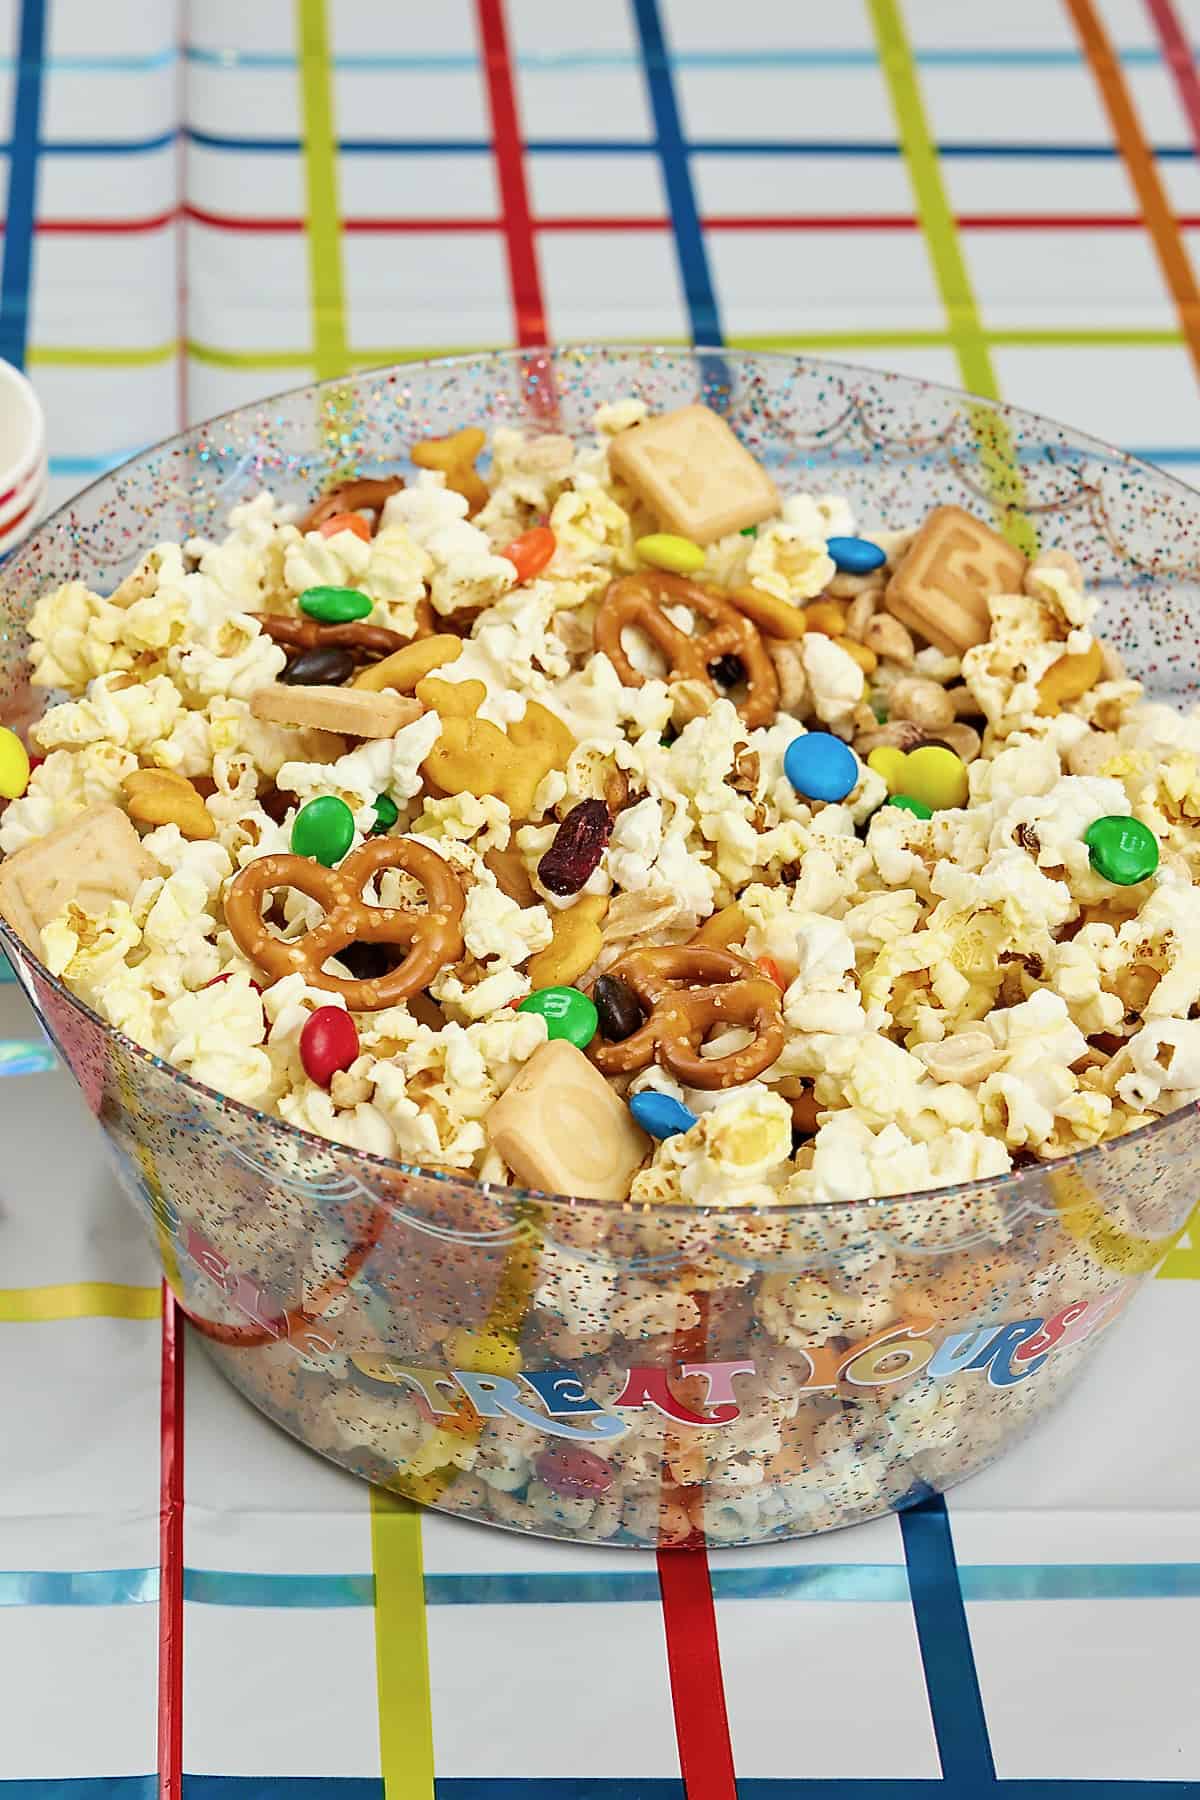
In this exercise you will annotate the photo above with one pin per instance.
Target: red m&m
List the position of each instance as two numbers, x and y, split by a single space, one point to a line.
328 1042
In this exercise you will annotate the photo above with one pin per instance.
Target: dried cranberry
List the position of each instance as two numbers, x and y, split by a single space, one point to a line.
727 671
570 1470
617 1007
577 848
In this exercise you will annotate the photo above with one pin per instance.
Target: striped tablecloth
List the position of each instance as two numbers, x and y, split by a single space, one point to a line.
205 204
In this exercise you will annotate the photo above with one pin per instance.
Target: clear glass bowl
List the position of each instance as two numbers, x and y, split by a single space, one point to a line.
581 1369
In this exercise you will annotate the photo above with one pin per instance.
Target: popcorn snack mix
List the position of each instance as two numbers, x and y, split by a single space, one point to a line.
595 812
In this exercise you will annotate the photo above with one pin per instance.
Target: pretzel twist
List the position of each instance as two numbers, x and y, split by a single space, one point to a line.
366 494
690 989
640 600
433 939
311 634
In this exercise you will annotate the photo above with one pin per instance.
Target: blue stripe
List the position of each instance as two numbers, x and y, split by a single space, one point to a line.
815 147
80 1587
681 198
98 65
84 146
22 184
25 1056
570 61
91 465
876 1583
211 140
950 1678
231 1587
580 1787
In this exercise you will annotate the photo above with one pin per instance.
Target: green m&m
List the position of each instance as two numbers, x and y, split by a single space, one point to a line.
324 829
568 1014
906 803
1121 849
386 814
334 605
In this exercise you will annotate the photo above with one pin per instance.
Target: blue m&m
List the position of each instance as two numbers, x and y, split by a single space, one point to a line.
819 766
855 555
660 1114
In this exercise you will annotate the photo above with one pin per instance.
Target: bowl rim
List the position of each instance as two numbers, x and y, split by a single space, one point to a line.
524 357
27 459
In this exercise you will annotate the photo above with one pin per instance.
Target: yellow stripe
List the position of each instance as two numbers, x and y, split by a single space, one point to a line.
996 454
401 1650
1183 1264
326 299
78 1300
75 356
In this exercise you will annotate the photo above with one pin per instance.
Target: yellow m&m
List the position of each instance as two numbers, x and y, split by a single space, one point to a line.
14 765
677 554
933 775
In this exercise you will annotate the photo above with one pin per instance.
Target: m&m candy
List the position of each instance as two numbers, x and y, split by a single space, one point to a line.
568 1014
678 555
820 766
324 829
328 1042
530 552
1121 849
932 775
386 814
660 1114
348 521
855 555
907 804
14 765
334 605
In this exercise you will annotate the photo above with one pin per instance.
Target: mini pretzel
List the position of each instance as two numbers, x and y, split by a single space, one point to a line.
640 599
433 939
690 990
367 494
311 634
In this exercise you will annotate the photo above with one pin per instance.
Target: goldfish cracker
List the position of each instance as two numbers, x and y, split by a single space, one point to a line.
576 943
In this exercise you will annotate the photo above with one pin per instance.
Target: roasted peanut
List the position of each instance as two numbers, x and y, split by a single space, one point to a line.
794 696
964 740
887 637
160 797
1058 561
1090 754
860 612
850 587
691 698
923 702
967 1058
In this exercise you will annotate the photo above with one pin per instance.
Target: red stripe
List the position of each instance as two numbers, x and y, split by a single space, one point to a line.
170 1557
523 272
1178 54
7 525
623 223
102 227
697 1689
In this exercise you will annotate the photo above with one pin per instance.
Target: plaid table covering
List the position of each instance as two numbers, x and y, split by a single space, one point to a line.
204 205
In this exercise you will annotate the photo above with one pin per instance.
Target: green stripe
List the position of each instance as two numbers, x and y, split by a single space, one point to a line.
996 453
401 1650
326 298
115 356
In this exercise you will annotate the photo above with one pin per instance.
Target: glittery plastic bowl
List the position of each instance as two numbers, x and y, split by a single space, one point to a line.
579 1369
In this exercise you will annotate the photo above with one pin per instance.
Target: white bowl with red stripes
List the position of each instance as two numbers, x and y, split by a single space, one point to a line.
23 472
